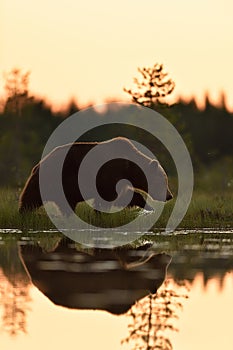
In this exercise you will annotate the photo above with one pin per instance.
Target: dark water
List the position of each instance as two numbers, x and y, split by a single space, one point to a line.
135 297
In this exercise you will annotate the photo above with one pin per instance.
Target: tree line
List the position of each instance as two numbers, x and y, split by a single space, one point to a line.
26 122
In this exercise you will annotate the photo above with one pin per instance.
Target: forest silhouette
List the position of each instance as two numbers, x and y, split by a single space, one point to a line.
26 122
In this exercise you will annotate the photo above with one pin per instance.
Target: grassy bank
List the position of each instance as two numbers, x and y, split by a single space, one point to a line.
214 211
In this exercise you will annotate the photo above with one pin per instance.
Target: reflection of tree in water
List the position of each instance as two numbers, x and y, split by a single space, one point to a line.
14 299
153 317
14 291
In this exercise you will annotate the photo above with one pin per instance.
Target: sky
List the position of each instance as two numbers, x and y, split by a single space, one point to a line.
90 50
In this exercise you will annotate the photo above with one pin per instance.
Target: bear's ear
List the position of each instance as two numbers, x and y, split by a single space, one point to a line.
154 163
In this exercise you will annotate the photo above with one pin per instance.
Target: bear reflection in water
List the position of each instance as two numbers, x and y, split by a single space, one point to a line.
111 280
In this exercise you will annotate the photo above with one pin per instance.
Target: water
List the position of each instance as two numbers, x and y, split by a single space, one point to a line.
55 294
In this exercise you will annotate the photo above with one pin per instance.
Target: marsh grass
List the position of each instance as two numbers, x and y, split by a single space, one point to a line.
122 217
214 211
210 211
11 219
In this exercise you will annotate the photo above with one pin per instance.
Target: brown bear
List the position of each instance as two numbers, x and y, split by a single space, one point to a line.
126 162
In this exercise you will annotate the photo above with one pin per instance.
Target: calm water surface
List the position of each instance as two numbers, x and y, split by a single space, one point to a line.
166 295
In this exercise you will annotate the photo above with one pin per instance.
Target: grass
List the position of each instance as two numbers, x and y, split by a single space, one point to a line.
214 211
11 219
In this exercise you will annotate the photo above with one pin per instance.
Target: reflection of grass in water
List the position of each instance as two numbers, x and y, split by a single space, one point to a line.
201 242
204 211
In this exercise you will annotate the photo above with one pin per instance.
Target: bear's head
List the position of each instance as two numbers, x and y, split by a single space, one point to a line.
160 190
141 195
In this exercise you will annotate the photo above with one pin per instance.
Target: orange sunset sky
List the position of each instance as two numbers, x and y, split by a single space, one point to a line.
90 50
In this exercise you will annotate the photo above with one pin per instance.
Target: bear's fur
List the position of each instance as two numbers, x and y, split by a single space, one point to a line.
108 176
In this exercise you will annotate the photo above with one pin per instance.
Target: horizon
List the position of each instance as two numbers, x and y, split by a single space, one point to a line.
219 100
